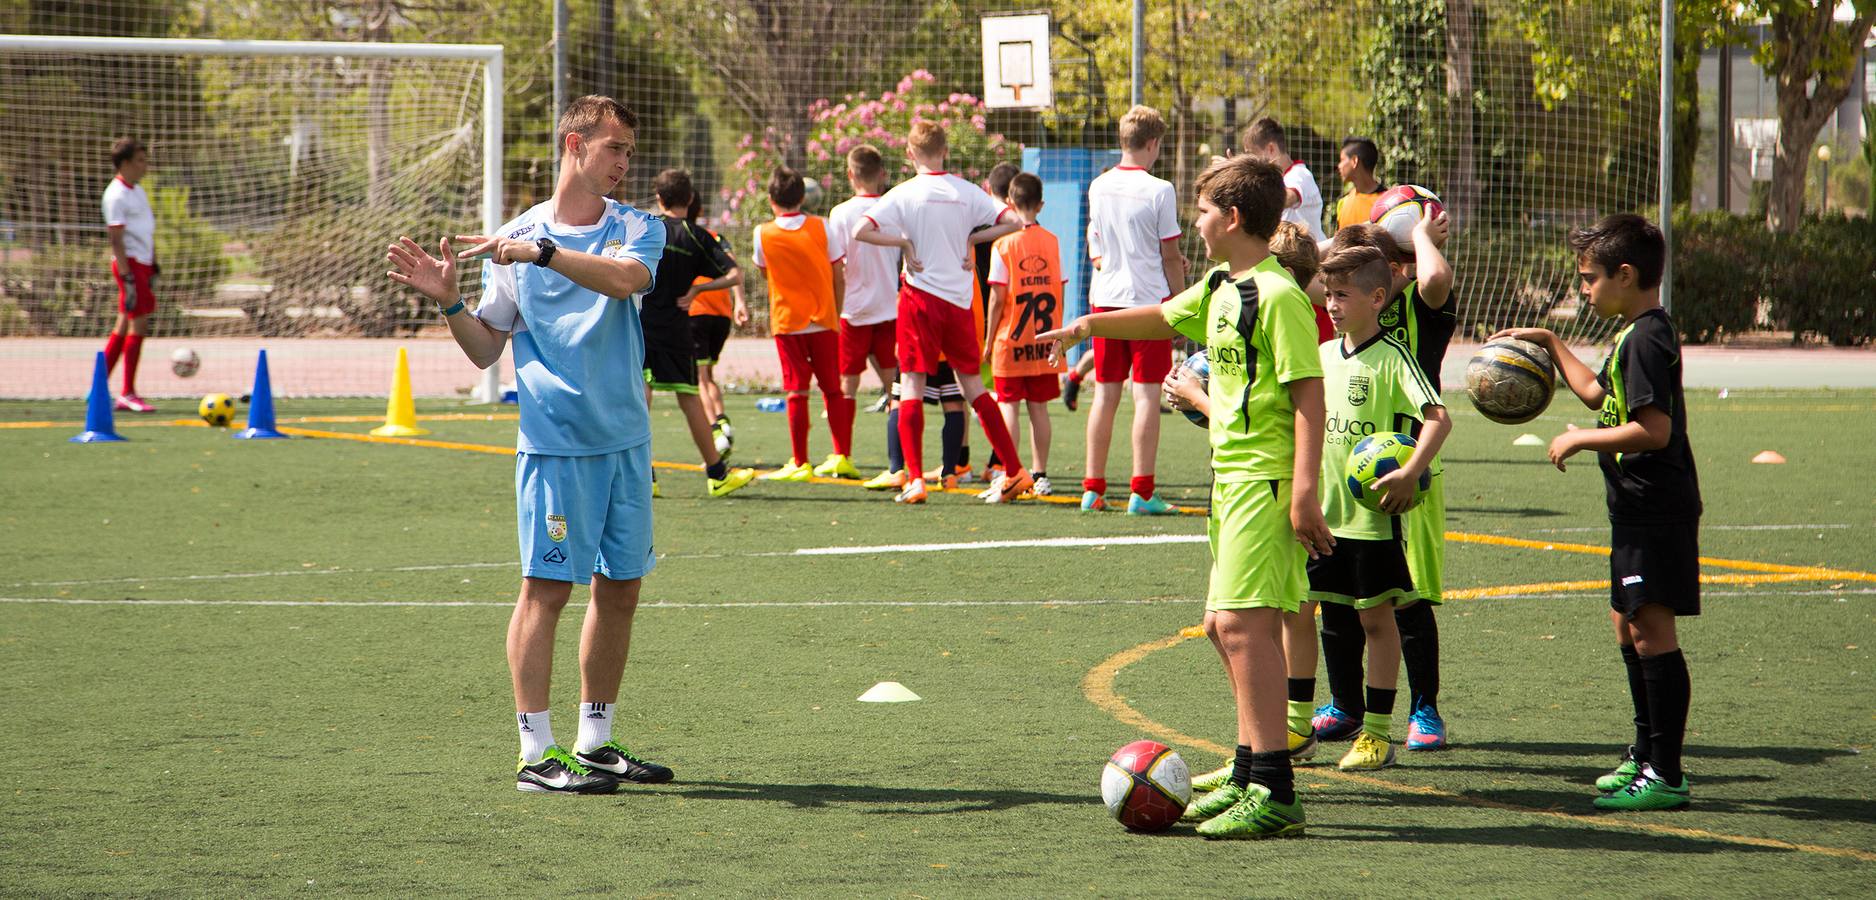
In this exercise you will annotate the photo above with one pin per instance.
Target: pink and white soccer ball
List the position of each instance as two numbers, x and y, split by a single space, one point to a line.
1146 786
1401 207
184 362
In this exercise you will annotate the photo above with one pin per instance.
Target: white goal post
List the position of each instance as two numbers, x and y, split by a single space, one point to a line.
488 56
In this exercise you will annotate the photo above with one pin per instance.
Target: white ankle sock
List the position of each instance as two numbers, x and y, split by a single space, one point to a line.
595 726
537 734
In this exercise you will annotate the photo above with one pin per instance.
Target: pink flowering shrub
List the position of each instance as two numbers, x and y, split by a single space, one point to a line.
837 127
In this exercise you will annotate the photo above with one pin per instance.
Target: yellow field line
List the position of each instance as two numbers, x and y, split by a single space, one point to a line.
1811 573
1098 688
144 423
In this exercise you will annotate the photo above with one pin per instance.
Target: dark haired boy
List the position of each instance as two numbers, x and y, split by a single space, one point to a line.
1653 495
1356 165
802 261
1266 439
670 348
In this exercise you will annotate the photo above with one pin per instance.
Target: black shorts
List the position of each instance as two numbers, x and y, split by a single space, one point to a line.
669 363
1362 573
708 335
943 386
1656 563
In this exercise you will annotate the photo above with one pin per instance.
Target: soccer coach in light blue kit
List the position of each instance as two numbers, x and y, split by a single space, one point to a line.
564 280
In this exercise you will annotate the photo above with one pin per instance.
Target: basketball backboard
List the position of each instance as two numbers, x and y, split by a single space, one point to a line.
1016 61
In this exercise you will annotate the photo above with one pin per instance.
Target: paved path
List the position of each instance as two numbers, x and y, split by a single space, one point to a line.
35 368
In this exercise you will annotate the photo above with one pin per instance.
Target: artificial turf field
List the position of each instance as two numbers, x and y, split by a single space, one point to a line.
270 667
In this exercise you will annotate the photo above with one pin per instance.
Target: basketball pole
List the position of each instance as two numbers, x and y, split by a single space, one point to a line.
1666 177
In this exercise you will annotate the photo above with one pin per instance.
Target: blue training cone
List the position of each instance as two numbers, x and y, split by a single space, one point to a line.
260 407
99 425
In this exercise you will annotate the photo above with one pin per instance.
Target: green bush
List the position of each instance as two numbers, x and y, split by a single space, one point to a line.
1719 276
1822 280
314 261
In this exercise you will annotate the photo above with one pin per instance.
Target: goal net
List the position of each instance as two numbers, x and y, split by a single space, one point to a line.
279 171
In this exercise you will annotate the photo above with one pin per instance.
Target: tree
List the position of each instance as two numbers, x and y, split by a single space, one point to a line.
1811 58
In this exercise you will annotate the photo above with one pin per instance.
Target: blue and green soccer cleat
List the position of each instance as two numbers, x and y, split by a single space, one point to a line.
1149 506
1333 724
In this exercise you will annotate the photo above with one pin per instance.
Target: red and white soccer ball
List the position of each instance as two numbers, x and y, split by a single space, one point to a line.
184 362
1401 207
1146 786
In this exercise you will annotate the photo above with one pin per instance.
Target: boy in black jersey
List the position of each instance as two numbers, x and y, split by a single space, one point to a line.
1653 495
690 252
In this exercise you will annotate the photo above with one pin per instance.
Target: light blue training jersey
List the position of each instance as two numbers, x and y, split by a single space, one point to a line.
579 355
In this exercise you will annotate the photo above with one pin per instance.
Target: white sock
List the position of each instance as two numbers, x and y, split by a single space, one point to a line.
537 734
595 726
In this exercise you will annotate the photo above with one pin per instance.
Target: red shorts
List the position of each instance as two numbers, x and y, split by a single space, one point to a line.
857 342
816 354
1149 361
930 328
1033 388
146 298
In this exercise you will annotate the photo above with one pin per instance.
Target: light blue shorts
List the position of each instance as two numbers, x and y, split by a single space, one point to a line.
577 515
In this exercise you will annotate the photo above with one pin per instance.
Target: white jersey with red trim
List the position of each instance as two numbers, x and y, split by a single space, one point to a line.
128 206
937 211
872 275
1130 212
1308 214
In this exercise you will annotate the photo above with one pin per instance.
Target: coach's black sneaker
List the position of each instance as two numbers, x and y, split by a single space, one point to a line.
612 758
560 773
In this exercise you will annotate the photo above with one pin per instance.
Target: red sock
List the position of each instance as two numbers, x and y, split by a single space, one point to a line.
798 427
113 348
133 349
1097 485
912 436
839 421
1142 485
1075 376
1000 443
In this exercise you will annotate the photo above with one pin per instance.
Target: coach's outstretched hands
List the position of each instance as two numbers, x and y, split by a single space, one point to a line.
430 276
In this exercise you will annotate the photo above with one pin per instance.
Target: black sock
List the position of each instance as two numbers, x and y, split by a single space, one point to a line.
717 471
1302 690
1669 692
1241 766
1381 700
994 461
1272 770
1420 650
895 455
964 447
1637 695
1343 641
951 442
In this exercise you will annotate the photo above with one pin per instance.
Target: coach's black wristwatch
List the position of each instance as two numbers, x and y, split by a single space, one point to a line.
548 248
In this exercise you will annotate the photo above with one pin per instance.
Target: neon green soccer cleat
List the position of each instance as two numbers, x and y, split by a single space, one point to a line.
1255 816
837 466
1211 781
1647 793
1214 803
794 471
1370 753
731 483
885 481
1623 774
1302 746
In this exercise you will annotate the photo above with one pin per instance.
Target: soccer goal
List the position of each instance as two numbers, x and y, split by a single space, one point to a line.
279 172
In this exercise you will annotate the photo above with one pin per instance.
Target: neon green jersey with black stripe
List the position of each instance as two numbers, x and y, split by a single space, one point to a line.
1260 335
1375 388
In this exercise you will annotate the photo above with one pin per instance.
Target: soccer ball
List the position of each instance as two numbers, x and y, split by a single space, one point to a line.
184 362
1511 381
1201 368
1401 207
1146 786
1374 457
218 410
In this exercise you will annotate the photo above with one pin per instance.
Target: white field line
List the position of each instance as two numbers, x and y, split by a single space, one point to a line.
792 604
820 604
1705 527
1128 540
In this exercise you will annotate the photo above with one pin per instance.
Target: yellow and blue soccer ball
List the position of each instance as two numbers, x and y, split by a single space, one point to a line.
218 410
1200 366
1375 457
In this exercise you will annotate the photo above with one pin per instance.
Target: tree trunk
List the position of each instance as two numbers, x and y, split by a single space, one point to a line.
1811 83
1462 176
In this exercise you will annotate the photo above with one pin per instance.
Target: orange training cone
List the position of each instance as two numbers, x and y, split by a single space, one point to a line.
400 415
